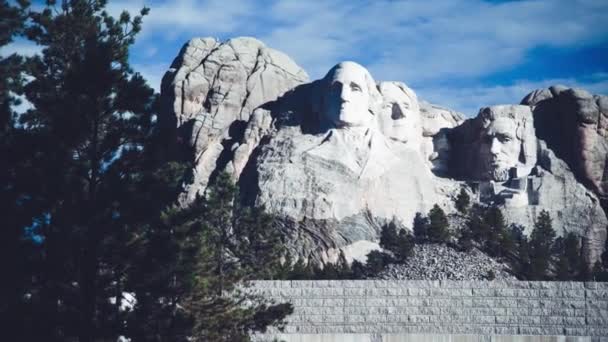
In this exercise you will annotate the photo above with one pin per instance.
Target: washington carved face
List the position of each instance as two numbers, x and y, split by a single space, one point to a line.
348 100
500 148
399 118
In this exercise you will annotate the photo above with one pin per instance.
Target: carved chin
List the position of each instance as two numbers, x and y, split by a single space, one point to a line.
499 175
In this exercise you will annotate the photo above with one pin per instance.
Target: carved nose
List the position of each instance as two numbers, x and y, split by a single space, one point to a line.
495 146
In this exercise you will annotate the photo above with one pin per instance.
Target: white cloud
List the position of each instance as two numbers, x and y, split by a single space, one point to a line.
424 43
172 18
468 100
22 47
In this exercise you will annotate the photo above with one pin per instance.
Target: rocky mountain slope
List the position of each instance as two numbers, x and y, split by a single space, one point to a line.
337 158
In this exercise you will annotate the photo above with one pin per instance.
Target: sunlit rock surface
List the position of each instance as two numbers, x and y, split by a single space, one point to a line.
337 158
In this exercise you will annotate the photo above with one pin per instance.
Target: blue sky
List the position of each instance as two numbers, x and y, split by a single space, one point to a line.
456 53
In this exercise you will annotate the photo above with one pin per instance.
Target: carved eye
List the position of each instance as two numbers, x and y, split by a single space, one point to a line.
355 87
504 138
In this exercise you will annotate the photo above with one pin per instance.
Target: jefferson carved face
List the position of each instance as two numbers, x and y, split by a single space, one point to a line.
399 118
500 148
348 98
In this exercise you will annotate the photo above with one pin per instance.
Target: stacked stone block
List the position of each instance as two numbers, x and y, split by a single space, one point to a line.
442 307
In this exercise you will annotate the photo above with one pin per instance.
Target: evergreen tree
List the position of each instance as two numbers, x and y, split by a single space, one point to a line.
388 236
376 262
420 227
405 246
301 271
462 201
358 270
570 261
465 240
261 245
19 207
88 110
193 287
476 223
438 229
541 243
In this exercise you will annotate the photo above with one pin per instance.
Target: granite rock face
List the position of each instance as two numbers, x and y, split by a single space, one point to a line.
337 158
574 123
211 91
502 161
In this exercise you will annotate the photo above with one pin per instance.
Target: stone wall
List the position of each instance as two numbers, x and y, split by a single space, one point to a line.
383 310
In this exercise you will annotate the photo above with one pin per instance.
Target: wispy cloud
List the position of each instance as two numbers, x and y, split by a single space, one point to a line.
442 48
22 47
468 100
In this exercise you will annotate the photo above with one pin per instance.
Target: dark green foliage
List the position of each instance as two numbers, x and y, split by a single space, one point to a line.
405 246
399 243
358 270
541 243
599 273
93 190
19 208
388 236
476 223
82 145
570 263
340 270
465 240
420 227
463 201
197 260
438 228
301 271
376 262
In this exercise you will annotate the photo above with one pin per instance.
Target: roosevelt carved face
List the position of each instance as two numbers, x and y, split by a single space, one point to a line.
399 118
500 148
348 98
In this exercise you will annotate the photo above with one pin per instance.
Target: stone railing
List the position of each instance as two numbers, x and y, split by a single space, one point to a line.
385 310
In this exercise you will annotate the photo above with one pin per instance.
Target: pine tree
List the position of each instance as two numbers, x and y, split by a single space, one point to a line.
420 227
301 271
376 262
88 110
438 229
388 236
405 246
462 201
19 207
476 223
541 243
190 278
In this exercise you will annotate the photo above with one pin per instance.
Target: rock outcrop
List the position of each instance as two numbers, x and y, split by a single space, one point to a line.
337 158
574 123
211 91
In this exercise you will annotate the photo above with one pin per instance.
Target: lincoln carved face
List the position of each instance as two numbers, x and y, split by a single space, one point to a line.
399 118
507 141
348 99
500 148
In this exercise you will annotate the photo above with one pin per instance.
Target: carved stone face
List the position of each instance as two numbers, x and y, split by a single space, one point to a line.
399 118
500 148
347 103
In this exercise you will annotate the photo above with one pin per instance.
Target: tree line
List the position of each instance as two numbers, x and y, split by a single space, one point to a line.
93 243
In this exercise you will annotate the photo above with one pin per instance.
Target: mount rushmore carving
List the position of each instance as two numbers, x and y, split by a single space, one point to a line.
337 158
